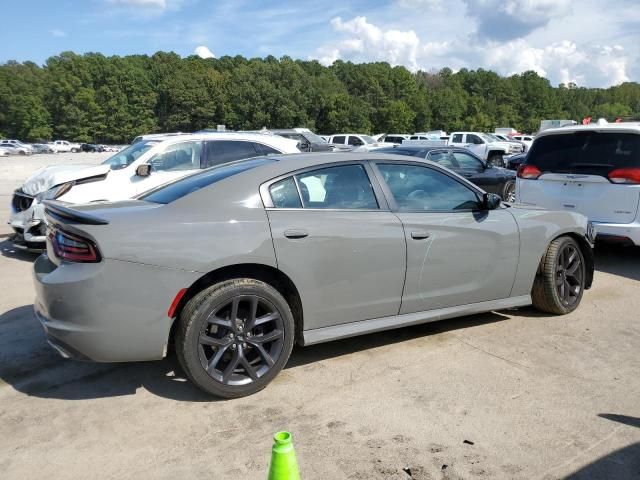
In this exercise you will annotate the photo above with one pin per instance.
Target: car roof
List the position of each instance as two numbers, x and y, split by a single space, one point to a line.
253 137
625 127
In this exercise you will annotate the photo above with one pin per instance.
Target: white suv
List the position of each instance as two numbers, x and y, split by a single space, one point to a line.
142 166
590 169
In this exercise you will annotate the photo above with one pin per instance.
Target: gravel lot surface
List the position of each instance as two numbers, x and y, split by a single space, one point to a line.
513 395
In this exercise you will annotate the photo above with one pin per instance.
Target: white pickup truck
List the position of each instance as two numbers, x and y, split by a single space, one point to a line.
63 146
485 146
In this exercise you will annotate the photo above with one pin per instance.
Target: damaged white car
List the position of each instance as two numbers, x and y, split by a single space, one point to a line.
140 167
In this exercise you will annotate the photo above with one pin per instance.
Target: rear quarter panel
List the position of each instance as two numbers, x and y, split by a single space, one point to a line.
538 228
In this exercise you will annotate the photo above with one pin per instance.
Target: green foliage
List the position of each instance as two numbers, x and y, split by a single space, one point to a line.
95 98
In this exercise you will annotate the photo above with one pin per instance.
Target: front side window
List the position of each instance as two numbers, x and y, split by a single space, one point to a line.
265 150
284 194
417 188
468 162
177 157
341 187
475 139
126 157
355 141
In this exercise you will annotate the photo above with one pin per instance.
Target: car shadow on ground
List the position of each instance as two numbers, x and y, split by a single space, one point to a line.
621 464
8 250
32 367
618 260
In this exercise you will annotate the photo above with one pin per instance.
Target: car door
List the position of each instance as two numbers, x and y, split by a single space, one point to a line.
335 237
175 161
457 254
477 172
475 144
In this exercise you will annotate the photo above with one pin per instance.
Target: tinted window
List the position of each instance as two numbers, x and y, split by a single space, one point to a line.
339 139
355 141
464 160
475 139
587 153
265 150
186 185
409 152
284 194
425 189
224 151
343 187
180 156
457 138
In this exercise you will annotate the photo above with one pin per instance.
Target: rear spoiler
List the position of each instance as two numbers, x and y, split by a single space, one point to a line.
58 211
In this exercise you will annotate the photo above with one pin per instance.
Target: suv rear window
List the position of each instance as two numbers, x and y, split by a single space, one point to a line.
586 153
184 186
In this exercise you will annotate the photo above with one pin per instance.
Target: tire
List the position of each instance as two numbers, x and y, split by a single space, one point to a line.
509 191
496 159
231 359
559 283
74 150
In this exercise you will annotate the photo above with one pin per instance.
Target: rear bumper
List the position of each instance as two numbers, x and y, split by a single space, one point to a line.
110 311
619 232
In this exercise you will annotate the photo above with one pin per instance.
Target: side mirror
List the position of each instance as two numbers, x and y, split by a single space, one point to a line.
491 201
143 170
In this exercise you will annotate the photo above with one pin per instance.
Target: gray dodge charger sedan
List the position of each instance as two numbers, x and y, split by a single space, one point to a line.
235 264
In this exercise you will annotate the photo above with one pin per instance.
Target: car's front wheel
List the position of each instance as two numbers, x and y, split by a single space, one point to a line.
234 337
560 281
496 159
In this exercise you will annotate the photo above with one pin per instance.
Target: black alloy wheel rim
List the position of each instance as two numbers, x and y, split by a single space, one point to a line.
241 340
510 194
569 275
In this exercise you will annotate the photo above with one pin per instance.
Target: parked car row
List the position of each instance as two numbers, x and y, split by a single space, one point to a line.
16 147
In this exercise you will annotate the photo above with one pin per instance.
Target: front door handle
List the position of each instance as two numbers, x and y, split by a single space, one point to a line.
296 233
420 235
467 175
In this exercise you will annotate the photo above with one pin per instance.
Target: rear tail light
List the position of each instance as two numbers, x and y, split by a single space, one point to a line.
625 175
73 248
529 172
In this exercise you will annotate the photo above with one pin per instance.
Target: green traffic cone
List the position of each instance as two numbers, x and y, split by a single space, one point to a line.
283 464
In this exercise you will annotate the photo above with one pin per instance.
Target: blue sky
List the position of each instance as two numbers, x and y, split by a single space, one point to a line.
565 40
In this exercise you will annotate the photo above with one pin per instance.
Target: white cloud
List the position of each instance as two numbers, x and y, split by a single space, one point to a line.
158 4
203 52
57 33
561 61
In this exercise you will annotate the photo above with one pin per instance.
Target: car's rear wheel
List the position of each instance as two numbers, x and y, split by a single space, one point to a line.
234 337
559 283
509 191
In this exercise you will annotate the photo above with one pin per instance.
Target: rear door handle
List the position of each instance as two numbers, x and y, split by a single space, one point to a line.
294 233
420 235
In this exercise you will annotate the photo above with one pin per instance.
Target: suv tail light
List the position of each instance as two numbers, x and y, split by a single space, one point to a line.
73 248
625 175
529 172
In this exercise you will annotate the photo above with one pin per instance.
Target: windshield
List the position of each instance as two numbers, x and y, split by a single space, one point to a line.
490 138
312 137
130 154
367 139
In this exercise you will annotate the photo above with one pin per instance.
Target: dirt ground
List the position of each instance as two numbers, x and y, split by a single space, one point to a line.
513 395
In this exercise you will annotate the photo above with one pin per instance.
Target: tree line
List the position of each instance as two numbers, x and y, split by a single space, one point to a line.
94 98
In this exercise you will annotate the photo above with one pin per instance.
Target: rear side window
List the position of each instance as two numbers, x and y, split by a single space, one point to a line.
457 138
339 139
586 153
224 151
342 187
180 188
284 194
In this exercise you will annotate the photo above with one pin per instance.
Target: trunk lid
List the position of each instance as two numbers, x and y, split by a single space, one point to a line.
575 168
